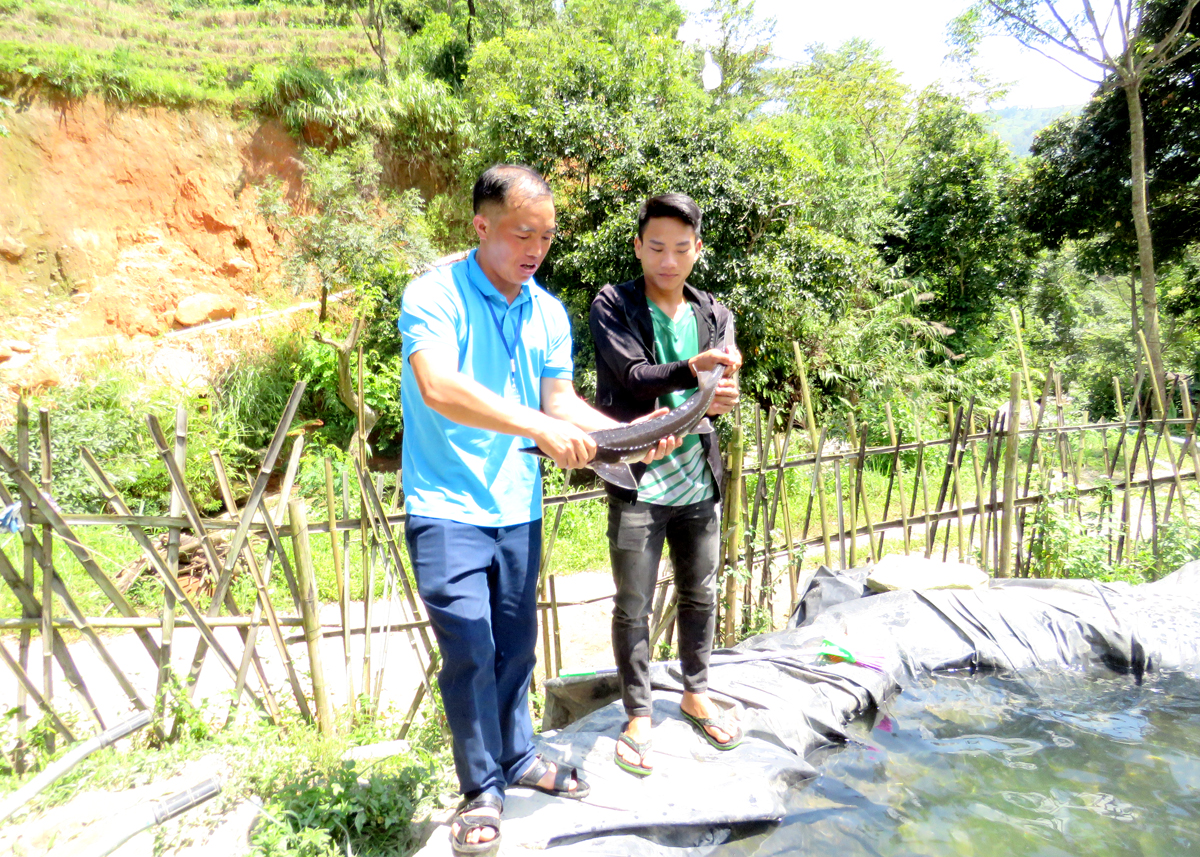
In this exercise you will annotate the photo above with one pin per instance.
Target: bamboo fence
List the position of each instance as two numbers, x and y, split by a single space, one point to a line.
794 500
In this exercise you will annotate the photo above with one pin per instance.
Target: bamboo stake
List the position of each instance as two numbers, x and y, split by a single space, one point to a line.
29 687
1160 399
1125 535
887 501
543 580
262 604
732 531
47 568
55 522
378 519
557 638
113 499
841 517
919 485
854 485
862 457
310 612
175 509
29 602
221 592
343 582
781 456
760 501
1011 448
931 535
811 422
27 565
1186 403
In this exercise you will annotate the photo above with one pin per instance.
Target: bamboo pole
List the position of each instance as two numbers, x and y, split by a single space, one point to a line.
167 628
1186 403
343 582
47 567
931 534
733 532
862 458
1011 448
547 618
854 484
310 612
1160 400
811 423
841 513
557 636
27 567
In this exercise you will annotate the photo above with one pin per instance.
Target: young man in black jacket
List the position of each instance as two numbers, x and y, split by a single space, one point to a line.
652 336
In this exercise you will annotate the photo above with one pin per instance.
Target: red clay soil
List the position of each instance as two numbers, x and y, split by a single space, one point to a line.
110 217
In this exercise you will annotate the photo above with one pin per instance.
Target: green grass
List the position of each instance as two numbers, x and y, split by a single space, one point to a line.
176 54
315 803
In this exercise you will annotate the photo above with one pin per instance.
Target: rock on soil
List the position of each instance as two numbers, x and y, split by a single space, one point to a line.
198 309
898 572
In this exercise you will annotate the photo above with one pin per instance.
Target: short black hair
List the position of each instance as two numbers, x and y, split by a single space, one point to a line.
497 181
678 206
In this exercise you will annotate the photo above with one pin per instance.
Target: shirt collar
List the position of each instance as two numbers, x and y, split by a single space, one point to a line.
477 278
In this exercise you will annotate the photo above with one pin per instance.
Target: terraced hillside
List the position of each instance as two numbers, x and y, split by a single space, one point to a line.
175 53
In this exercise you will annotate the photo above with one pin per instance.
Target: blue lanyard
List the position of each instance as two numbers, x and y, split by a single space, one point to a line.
510 349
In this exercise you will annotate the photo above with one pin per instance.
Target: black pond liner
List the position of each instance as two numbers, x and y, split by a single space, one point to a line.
759 798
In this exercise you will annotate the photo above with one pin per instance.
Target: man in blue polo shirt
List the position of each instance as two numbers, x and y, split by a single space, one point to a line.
489 370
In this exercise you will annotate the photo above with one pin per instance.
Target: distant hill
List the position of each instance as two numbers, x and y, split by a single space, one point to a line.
1017 125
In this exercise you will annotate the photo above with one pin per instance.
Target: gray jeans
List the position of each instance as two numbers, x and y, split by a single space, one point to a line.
635 541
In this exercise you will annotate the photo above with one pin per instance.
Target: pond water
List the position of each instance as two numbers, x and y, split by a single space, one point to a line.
1061 765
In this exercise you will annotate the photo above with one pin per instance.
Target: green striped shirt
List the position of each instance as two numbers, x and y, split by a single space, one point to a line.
683 477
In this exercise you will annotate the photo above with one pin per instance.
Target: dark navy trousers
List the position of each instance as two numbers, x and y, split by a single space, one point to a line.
479 585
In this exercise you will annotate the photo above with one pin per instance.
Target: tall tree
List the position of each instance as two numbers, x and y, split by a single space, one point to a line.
1124 55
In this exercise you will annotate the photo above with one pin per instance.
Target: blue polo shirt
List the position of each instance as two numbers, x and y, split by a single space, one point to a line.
456 472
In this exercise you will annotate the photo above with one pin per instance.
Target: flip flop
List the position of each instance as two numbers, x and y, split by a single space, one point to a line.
562 780
641 769
469 820
724 722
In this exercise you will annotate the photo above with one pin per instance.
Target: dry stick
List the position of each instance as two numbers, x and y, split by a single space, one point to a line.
175 509
732 530
27 561
1011 448
29 602
919 482
27 685
811 421
113 499
752 529
262 604
55 522
343 582
815 487
221 592
310 612
986 529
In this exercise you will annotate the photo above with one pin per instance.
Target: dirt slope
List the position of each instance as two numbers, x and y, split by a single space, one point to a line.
109 218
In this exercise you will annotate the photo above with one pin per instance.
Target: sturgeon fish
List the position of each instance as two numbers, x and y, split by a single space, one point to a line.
617 447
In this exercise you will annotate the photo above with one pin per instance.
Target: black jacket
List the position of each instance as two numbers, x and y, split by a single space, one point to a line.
629 378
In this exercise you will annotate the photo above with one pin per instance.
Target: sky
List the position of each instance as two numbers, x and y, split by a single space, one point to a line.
912 34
